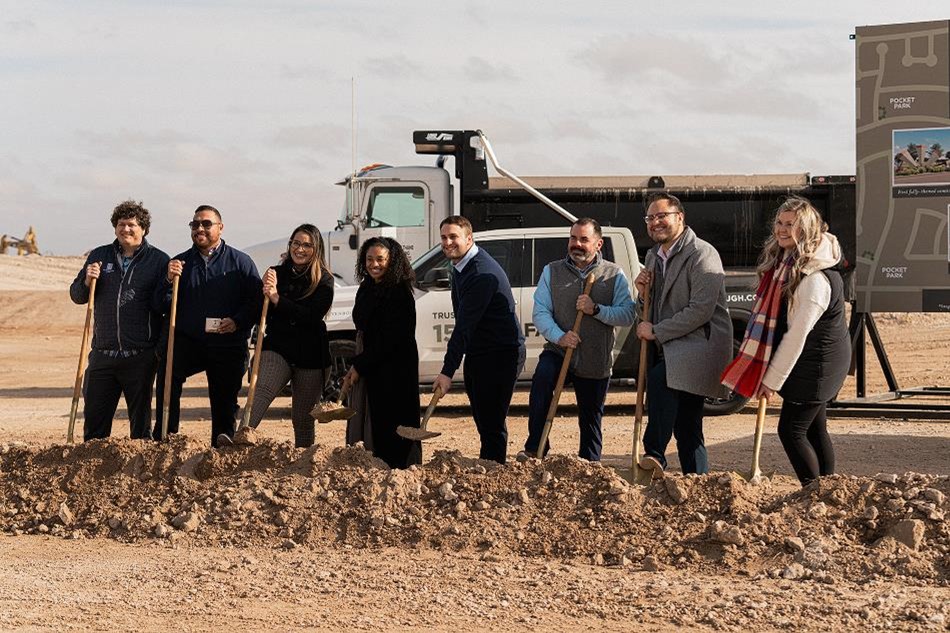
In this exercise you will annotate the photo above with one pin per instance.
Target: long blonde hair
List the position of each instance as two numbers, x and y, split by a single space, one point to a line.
809 229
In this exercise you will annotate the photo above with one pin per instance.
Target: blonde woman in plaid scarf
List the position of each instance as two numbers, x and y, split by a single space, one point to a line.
797 341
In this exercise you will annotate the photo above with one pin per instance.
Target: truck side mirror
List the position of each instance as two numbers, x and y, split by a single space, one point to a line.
436 279
354 241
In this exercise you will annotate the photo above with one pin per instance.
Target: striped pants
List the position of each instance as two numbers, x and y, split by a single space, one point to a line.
307 386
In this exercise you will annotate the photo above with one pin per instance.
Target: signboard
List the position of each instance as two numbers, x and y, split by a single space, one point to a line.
903 167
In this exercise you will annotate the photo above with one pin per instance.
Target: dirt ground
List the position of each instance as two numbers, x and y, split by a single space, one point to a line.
268 537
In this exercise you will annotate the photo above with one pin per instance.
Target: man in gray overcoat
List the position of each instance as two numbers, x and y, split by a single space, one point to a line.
690 336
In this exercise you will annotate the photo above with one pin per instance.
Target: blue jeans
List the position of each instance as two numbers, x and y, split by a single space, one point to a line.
674 413
590 393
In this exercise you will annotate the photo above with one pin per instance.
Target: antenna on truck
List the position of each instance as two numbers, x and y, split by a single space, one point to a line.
486 146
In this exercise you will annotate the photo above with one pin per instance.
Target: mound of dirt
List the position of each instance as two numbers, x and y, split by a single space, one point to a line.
272 494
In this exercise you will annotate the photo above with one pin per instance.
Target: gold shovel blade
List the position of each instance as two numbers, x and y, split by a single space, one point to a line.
343 413
415 433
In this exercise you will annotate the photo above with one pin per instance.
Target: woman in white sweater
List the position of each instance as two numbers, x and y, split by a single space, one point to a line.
812 351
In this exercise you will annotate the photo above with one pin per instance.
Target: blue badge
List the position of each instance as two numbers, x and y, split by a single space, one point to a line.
109 267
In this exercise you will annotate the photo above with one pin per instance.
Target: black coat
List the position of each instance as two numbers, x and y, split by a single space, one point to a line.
826 357
295 326
389 363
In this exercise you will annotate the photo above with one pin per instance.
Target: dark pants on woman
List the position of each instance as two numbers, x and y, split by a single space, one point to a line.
106 379
490 383
803 429
224 367
674 413
590 393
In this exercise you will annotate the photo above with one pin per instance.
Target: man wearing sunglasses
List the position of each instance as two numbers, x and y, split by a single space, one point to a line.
218 302
689 333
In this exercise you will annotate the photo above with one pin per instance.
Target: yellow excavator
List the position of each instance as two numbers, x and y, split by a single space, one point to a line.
25 246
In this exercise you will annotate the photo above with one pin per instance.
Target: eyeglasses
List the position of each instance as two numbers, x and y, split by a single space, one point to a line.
658 216
305 246
204 224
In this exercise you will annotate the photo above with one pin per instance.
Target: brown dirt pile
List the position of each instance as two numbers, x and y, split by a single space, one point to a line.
272 494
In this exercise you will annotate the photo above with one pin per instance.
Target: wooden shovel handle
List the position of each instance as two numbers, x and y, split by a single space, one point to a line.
434 400
169 353
83 352
562 376
641 383
255 366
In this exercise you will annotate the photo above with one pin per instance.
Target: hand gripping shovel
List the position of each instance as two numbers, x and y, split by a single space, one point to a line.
329 411
559 386
83 352
756 474
223 438
641 476
166 403
420 433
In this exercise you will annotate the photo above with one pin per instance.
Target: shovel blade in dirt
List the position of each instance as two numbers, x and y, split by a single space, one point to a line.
415 433
419 433
322 416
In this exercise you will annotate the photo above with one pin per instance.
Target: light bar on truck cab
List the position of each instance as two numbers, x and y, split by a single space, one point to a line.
436 141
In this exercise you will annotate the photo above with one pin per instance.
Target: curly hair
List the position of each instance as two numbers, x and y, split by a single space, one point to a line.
399 271
130 209
811 228
318 262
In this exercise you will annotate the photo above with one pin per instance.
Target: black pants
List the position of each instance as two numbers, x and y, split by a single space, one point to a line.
106 379
590 393
490 383
674 413
803 429
224 366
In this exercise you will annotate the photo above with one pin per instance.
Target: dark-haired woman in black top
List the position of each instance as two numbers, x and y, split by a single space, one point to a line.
385 370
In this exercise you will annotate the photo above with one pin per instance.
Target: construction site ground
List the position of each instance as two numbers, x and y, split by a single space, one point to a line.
123 534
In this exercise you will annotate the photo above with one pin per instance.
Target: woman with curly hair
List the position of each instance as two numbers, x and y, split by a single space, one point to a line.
295 347
384 377
799 313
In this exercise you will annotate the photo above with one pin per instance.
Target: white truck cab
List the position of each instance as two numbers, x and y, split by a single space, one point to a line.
522 253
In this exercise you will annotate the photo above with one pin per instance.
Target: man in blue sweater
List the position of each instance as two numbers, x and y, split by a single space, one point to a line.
126 331
487 334
219 300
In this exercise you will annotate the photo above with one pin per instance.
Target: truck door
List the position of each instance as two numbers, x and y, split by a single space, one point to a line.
398 210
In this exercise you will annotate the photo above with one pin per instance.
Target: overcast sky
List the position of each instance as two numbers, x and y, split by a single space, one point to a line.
247 105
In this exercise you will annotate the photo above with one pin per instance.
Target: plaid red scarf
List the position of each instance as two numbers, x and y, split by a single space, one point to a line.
744 374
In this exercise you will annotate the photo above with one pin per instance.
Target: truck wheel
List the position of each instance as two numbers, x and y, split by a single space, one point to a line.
724 406
731 403
342 351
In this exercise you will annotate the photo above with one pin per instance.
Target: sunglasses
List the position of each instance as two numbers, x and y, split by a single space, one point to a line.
204 224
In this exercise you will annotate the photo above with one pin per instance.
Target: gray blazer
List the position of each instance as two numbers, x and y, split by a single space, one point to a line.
691 320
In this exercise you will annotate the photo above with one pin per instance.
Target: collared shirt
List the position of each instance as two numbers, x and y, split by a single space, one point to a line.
472 252
211 252
664 255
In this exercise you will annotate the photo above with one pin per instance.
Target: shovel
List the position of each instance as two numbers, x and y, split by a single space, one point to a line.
559 386
420 433
641 476
338 412
83 352
168 357
756 474
223 438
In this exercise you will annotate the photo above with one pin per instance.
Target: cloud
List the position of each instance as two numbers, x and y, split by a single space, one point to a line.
321 138
394 66
655 58
481 70
19 26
